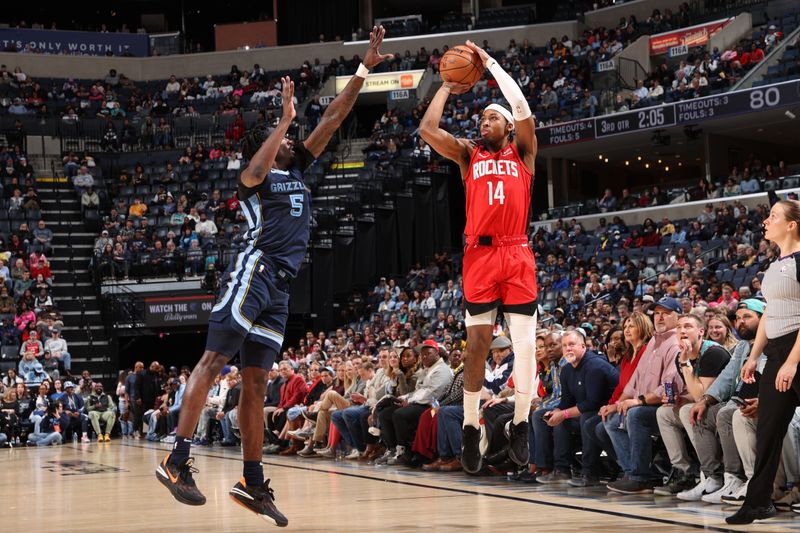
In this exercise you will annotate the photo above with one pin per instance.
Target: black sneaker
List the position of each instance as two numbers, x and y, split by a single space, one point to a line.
260 500
746 515
678 481
518 443
178 479
471 457
630 486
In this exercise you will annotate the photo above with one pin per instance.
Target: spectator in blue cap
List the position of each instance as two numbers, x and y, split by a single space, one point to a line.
634 423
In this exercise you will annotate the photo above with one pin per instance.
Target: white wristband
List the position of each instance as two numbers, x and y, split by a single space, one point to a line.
362 71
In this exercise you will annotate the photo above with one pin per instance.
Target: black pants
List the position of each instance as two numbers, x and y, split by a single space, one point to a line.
494 421
275 425
775 412
136 413
399 424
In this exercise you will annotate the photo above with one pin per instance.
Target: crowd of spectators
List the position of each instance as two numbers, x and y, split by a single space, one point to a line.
701 73
26 304
30 323
166 220
754 176
56 410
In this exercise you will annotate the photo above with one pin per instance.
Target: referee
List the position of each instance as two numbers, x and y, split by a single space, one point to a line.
778 339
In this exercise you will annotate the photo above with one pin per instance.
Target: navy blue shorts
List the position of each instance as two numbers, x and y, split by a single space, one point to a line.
254 305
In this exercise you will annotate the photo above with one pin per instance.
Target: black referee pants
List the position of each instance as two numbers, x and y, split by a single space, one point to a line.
775 412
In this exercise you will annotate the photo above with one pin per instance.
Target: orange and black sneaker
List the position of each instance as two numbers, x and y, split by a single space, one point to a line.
178 479
260 500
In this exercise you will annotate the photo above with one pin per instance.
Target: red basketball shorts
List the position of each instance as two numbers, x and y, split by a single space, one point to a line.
495 275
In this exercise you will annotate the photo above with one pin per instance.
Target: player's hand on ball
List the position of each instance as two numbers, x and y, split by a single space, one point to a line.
480 51
373 57
457 88
287 98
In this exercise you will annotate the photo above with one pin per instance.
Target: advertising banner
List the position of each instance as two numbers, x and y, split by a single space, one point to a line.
83 43
691 36
385 81
178 310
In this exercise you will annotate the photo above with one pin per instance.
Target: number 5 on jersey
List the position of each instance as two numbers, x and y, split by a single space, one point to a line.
496 193
297 204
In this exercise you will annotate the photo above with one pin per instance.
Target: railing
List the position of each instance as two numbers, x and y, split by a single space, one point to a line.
122 308
629 69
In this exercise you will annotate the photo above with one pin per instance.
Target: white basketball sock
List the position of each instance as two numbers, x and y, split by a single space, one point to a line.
472 406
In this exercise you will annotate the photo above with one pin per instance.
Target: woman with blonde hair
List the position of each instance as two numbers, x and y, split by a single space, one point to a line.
720 330
637 330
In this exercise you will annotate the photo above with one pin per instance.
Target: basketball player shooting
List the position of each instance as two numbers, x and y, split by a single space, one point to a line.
499 267
250 316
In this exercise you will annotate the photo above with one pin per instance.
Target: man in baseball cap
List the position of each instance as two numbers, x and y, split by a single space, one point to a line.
399 422
639 402
669 304
502 364
429 343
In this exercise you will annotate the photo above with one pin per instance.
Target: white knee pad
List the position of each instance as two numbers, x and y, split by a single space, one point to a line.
484 319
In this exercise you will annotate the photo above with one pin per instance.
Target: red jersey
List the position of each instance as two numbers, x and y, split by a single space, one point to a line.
498 188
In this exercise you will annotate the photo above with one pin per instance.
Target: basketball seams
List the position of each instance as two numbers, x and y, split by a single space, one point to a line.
464 60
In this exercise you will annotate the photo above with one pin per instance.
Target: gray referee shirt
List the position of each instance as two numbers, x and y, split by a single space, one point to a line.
782 292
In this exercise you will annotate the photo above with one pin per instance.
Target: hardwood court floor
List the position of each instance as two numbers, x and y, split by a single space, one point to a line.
111 487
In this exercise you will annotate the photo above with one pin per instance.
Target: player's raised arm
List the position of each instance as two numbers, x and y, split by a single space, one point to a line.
340 107
263 160
457 150
524 123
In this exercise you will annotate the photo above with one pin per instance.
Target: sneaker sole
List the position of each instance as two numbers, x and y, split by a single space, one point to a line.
464 465
264 517
553 481
662 493
629 492
164 479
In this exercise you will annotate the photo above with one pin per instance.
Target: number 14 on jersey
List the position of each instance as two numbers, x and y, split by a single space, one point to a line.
496 193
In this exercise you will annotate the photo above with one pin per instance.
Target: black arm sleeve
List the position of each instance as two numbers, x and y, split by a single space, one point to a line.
302 157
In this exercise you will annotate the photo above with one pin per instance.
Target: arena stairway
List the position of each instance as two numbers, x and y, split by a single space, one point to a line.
73 290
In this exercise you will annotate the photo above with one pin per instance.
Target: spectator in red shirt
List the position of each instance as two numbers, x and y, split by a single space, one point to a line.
755 54
232 206
293 391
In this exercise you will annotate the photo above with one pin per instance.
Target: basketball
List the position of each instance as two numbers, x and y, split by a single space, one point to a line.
461 65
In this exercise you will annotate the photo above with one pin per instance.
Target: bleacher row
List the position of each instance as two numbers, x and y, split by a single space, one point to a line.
654 256
589 205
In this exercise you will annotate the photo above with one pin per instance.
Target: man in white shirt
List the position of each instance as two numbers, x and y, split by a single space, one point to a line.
83 180
173 86
58 348
657 91
428 302
640 91
205 228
